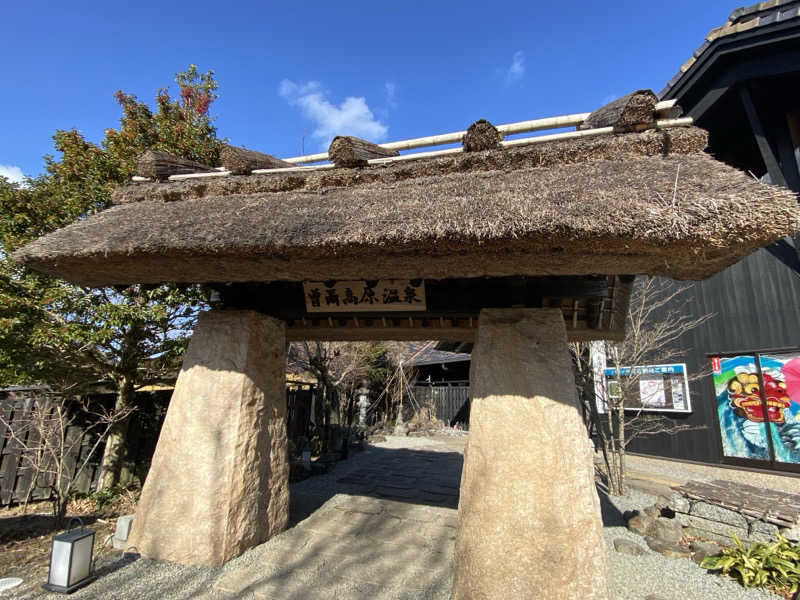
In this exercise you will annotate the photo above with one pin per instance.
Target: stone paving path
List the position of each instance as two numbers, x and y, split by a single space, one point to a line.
382 526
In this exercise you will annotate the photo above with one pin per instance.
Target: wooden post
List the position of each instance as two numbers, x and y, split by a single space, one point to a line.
770 162
529 515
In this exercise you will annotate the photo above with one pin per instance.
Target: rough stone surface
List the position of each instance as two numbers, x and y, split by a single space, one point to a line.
791 533
708 548
662 502
701 550
641 524
218 483
717 513
528 472
717 527
653 512
667 530
122 532
667 549
624 546
679 503
762 532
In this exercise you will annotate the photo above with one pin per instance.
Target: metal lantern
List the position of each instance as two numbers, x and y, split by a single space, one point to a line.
70 561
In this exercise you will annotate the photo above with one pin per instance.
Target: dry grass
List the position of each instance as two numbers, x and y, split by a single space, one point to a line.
627 204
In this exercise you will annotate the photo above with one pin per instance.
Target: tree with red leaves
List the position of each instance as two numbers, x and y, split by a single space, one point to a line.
71 337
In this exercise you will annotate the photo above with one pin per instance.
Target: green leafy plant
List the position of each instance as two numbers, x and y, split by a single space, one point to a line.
73 337
774 565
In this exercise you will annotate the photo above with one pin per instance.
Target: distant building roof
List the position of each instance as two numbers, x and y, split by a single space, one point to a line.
744 25
426 353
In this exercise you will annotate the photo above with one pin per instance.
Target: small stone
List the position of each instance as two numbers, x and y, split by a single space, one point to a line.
624 546
123 530
679 503
701 550
376 439
641 524
791 533
667 530
653 512
655 597
707 547
670 550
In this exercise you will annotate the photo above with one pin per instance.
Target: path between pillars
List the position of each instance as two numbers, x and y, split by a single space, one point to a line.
381 525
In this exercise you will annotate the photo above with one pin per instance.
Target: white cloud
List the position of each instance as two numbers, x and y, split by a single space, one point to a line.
12 173
517 69
352 117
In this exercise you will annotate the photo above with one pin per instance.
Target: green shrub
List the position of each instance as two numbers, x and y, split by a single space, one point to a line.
773 565
110 498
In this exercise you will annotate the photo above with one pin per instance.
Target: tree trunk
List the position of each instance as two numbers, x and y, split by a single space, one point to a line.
60 502
116 445
621 449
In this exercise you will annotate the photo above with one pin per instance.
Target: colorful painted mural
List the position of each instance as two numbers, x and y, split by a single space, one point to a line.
754 425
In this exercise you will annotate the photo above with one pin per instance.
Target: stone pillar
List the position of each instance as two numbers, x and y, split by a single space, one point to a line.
529 515
218 483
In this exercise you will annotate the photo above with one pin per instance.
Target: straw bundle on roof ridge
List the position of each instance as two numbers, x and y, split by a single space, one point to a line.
683 216
631 111
684 140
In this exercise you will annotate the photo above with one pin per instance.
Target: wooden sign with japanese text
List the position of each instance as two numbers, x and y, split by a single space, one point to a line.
365 296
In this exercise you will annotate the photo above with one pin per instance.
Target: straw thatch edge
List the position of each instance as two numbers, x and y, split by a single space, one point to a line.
683 140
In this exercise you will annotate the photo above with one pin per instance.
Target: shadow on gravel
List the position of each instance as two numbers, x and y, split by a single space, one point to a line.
23 527
363 556
612 517
118 563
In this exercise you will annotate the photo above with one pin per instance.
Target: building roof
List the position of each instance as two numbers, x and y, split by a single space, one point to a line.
427 353
744 24
606 200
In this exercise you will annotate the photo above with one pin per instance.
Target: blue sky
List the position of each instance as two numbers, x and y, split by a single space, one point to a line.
293 74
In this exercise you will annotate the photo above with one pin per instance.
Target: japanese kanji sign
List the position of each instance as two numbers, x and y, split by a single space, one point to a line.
365 296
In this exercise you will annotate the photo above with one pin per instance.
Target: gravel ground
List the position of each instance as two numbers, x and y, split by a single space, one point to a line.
637 577
681 472
633 577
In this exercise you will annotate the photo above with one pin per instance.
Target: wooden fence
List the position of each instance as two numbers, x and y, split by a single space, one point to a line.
17 476
450 403
18 480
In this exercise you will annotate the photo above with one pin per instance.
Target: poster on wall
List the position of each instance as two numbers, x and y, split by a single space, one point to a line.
781 374
661 388
748 422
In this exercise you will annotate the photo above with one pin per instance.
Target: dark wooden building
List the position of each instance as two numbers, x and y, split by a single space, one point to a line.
742 86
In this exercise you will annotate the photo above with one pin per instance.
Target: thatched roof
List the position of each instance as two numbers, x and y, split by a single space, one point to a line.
630 203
